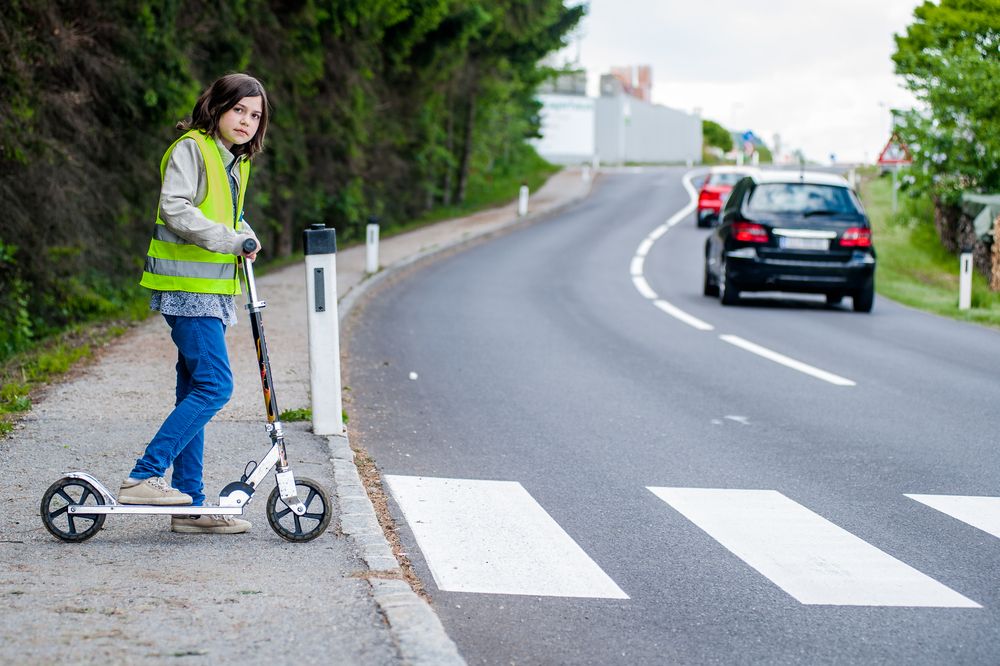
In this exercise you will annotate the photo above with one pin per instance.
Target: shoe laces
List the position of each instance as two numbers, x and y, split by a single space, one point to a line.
228 520
160 484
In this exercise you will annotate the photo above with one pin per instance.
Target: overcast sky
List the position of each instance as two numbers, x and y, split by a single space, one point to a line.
817 72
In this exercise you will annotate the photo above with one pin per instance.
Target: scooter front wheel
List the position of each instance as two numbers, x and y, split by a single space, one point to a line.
61 524
308 526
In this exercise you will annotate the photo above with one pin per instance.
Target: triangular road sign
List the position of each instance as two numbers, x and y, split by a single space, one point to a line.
895 152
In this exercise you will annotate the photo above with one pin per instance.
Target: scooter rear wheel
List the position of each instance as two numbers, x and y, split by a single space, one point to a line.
306 527
62 494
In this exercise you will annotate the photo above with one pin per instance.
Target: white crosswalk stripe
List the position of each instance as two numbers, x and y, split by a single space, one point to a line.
804 554
493 537
980 512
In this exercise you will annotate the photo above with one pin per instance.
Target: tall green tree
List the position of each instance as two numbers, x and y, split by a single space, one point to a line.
950 59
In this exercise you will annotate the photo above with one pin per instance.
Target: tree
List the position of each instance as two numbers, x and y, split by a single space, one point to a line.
716 135
950 59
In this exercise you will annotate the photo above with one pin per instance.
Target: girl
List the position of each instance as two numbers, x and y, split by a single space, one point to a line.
191 268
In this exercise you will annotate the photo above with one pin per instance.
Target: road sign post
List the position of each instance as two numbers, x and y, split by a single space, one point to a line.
895 154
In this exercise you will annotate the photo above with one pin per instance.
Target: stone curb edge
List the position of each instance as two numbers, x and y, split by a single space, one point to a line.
413 623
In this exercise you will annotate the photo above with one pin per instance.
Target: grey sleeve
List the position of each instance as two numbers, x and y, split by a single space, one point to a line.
184 188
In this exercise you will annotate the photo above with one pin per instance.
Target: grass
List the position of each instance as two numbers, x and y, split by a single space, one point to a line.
913 267
296 415
29 370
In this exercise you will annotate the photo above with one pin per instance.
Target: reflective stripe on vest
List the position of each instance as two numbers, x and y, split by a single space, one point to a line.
174 264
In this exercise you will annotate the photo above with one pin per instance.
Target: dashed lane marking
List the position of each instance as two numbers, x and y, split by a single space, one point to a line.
786 361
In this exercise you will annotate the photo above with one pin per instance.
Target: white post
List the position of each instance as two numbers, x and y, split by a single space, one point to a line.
690 163
755 158
965 281
895 187
739 158
585 173
595 163
320 246
371 249
522 201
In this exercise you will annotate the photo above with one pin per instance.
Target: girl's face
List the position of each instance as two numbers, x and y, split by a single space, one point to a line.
239 124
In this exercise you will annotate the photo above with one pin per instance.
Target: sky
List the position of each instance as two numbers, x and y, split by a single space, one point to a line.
817 72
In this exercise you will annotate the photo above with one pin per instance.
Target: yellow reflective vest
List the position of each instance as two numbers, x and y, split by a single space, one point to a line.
174 264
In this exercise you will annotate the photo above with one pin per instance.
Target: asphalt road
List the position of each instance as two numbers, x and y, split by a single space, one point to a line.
534 360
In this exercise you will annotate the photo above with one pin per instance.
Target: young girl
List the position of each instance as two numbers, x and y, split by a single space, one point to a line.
192 269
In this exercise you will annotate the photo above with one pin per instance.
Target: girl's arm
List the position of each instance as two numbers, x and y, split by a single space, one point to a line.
184 188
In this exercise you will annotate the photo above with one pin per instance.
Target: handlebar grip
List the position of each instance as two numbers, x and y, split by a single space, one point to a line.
249 245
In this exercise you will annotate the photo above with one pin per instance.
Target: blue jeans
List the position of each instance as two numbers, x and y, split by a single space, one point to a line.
204 386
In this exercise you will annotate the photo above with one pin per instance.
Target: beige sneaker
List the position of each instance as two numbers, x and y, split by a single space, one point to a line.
208 524
153 491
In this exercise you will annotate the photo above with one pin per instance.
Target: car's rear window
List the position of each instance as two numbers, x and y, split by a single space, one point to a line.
802 198
724 178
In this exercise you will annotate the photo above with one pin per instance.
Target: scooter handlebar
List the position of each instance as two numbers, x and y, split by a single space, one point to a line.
249 245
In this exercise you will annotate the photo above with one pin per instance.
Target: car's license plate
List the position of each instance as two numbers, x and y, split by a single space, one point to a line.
790 243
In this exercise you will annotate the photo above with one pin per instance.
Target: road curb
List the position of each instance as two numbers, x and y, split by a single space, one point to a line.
413 623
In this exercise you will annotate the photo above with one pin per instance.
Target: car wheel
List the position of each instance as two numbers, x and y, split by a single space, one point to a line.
834 299
709 288
728 293
700 220
864 298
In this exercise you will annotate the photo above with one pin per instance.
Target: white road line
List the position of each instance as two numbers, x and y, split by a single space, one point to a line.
493 537
677 313
786 361
807 556
638 260
643 287
981 512
658 232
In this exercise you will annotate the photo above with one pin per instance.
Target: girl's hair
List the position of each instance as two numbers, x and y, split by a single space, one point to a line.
221 96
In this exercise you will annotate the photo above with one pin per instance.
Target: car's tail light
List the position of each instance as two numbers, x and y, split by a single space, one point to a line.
749 232
856 237
709 195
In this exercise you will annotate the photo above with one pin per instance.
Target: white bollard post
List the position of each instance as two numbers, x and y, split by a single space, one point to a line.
522 201
320 246
965 281
690 163
755 158
585 173
739 158
595 163
371 249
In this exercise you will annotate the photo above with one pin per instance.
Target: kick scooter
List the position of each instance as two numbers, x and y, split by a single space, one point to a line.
74 507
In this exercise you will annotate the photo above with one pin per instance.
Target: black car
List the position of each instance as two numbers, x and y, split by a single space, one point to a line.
795 231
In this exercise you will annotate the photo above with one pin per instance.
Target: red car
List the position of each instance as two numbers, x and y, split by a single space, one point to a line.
714 190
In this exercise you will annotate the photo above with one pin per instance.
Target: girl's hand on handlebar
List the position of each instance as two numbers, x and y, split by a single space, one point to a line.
247 252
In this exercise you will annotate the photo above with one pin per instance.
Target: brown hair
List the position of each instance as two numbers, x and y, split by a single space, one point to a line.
221 96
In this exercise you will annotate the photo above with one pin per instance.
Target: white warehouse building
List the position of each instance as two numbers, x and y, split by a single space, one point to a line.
616 128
